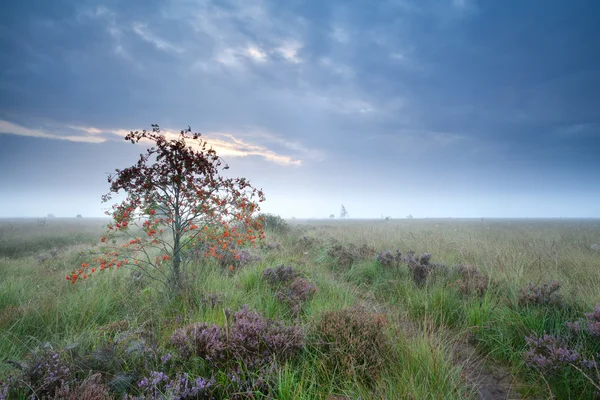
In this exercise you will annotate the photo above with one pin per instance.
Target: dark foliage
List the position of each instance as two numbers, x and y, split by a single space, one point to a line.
353 341
541 295
249 339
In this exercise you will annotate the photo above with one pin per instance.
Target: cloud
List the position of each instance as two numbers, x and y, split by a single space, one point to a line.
289 51
226 144
142 31
15 129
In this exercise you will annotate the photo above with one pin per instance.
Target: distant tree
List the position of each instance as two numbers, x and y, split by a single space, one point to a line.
331 216
409 216
343 212
178 199
50 216
78 216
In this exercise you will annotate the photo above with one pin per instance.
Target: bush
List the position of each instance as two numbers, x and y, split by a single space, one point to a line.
158 386
249 339
279 275
544 295
353 341
292 289
274 223
92 388
299 292
418 266
44 372
388 258
471 281
589 325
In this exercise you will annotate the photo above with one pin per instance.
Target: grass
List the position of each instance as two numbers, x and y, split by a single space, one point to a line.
426 323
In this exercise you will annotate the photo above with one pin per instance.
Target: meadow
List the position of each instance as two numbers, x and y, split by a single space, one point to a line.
322 309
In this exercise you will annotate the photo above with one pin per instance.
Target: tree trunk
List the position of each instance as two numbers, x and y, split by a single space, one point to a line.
177 262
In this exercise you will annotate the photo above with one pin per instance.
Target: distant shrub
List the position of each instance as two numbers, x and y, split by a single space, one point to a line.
346 255
353 341
78 216
249 339
589 325
306 243
390 259
472 281
544 295
272 246
274 223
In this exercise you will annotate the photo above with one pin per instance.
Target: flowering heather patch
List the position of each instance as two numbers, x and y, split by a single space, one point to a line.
293 290
279 275
159 386
549 354
418 266
388 258
211 300
249 338
44 372
92 388
471 281
589 325
353 341
234 259
544 295
297 294
272 246
345 255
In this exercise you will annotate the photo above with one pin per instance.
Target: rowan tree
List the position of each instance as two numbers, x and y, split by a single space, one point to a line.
177 202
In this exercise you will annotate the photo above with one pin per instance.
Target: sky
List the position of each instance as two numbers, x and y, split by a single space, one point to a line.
435 108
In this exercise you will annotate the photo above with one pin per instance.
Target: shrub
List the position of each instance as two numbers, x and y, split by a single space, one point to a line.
232 259
92 388
249 339
418 266
158 386
388 258
589 325
549 354
279 275
471 281
44 372
274 223
544 295
299 292
353 341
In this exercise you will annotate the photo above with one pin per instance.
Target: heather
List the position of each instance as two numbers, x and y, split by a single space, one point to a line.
348 309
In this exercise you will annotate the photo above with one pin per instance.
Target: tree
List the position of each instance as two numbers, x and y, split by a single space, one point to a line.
343 212
331 216
179 203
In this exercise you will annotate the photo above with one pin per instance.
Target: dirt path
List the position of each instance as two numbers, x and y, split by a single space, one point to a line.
491 380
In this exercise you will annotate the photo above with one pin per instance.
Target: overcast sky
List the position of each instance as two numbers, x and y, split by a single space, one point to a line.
434 108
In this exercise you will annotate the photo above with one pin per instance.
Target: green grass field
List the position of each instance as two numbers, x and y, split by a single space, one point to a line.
456 332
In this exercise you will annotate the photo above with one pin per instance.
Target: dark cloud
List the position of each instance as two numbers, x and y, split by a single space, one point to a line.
465 98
